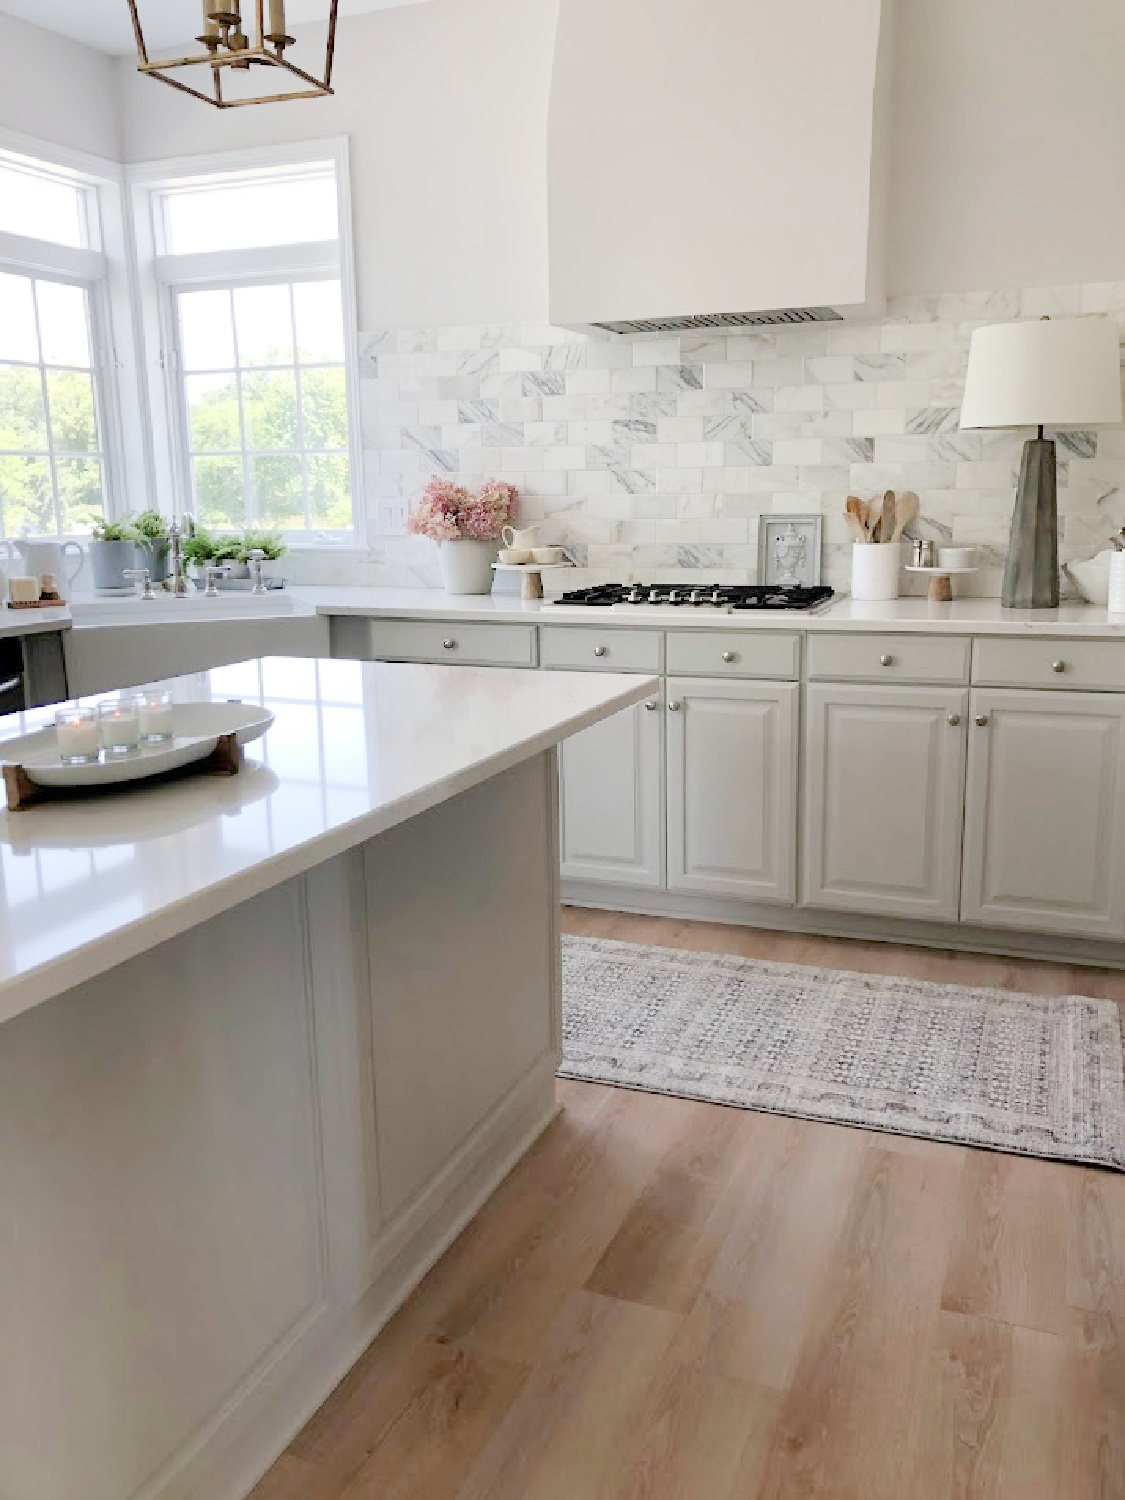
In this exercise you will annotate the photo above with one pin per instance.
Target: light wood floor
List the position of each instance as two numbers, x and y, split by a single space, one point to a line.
674 1301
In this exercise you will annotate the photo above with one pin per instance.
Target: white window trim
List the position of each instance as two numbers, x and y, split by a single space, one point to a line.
105 272
158 275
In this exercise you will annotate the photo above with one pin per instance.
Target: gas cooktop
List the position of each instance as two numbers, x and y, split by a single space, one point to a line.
727 596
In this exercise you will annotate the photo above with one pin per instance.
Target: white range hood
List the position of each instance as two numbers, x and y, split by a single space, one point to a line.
716 162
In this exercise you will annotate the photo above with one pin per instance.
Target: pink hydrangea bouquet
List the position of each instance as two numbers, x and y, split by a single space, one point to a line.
449 513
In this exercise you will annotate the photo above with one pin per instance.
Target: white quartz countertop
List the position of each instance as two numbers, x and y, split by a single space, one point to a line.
357 747
962 617
33 621
915 615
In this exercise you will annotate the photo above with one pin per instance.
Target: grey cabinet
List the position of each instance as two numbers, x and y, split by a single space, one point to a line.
732 787
884 780
611 792
1045 800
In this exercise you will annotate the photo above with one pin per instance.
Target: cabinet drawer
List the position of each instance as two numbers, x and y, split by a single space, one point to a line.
464 641
588 648
733 653
889 658
1049 663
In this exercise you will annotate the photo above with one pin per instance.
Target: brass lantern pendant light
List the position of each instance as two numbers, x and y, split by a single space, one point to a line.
227 45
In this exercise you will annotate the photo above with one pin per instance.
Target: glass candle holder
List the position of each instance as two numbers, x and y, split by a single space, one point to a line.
154 716
76 730
119 728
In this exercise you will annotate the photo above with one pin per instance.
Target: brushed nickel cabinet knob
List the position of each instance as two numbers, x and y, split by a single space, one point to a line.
981 720
953 720
674 705
728 656
1058 666
886 661
450 645
652 705
599 650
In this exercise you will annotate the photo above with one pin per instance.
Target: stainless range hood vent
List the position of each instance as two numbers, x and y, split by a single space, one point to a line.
724 320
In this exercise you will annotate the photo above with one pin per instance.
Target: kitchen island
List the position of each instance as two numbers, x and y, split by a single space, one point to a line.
267 1043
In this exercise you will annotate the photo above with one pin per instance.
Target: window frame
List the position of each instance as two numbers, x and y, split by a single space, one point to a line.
163 275
101 269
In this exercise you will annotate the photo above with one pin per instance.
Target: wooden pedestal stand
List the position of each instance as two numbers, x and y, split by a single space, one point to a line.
22 792
940 590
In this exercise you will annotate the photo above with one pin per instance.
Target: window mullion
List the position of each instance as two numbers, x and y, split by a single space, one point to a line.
241 412
51 466
300 411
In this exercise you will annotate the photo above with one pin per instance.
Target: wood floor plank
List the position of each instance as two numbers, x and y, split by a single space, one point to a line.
992 1426
1009 1259
670 1237
428 1451
850 1424
562 1437
753 1313
695 1434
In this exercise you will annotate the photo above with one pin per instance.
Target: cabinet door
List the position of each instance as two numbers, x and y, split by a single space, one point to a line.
883 800
610 787
732 779
1044 805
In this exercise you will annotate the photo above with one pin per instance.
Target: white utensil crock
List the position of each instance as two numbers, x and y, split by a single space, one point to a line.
875 568
1117 584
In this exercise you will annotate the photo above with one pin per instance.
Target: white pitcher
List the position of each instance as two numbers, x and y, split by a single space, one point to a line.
39 555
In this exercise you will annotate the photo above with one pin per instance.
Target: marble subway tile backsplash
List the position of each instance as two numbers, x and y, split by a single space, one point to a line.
658 455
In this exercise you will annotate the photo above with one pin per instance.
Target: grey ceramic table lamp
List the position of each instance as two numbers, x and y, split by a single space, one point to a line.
1058 372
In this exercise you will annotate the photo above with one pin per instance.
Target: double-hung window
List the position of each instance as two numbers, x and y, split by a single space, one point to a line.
56 390
258 336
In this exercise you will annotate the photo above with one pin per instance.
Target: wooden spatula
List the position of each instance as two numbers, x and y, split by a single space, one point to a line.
853 515
887 518
906 510
872 515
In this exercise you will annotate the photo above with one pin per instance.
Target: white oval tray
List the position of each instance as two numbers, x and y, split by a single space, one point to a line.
196 730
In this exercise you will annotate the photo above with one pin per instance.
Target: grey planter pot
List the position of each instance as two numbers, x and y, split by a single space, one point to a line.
108 561
156 557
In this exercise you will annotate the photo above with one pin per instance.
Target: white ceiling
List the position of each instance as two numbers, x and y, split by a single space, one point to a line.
105 24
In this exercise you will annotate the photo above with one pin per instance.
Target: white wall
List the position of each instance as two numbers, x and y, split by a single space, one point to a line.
1008 144
57 90
446 108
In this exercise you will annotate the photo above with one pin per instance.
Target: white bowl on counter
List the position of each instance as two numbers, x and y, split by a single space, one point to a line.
1091 577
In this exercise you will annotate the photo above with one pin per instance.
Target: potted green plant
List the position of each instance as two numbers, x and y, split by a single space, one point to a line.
226 553
268 542
150 531
112 550
199 550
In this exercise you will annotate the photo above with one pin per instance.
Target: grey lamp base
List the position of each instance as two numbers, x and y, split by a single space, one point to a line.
1031 574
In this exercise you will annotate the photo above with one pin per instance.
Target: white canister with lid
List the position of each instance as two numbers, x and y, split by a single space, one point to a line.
1117 584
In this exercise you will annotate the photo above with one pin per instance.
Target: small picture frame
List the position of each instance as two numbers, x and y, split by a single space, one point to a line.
789 551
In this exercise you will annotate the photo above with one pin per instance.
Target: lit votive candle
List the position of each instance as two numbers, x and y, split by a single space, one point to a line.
76 730
154 714
118 727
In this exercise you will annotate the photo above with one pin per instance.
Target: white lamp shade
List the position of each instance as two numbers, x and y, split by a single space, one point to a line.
1062 372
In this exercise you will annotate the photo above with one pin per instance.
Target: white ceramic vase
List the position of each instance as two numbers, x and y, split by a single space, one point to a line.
466 566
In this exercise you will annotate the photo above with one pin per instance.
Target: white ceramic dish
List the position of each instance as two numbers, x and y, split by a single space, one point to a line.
1092 577
197 728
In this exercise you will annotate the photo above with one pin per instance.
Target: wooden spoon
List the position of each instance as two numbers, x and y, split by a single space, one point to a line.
853 515
887 520
872 515
906 510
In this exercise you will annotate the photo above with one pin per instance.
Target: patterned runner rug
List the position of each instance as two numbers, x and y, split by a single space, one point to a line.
1040 1075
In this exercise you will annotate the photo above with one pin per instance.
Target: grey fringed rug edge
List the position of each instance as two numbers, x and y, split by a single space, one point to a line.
664 1043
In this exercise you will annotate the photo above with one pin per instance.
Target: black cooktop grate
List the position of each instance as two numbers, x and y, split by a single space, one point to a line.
721 596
